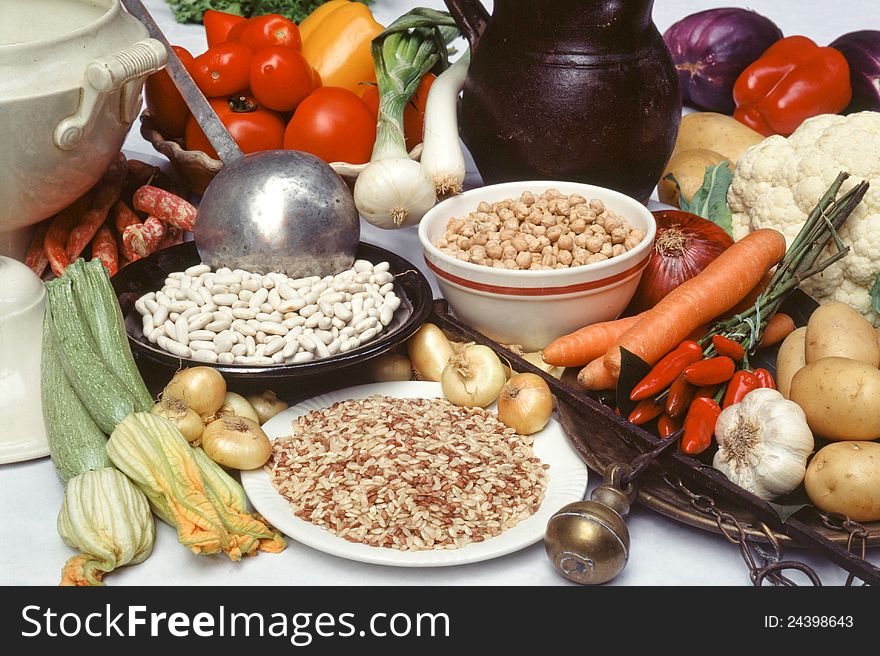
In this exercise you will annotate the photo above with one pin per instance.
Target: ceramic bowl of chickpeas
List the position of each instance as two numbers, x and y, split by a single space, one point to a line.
526 262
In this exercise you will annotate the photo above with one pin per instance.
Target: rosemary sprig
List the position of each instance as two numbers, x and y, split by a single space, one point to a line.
801 261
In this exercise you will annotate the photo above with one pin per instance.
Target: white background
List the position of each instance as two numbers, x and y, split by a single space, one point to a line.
663 551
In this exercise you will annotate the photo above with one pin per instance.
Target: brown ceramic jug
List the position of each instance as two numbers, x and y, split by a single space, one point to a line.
581 90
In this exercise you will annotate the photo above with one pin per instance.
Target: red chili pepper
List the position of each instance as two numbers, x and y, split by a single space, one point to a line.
699 425
741 384
665 371
706 392
681 393
644 412
792 81
667 425
765 379
726 346
710 372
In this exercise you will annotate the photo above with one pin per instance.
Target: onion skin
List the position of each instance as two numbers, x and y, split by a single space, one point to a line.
711 48
525 403
201 388
704 241
236 442
862 52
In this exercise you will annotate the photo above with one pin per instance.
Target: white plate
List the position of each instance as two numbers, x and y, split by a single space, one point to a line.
567 482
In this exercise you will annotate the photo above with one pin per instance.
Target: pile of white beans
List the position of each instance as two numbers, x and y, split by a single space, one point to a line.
237 317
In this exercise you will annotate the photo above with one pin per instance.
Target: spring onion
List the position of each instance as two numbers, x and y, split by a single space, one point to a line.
442 159
393 190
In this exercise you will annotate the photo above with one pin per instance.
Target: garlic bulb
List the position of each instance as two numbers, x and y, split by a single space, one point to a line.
763 443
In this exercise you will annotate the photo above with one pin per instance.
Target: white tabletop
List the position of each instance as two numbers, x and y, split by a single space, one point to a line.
663 552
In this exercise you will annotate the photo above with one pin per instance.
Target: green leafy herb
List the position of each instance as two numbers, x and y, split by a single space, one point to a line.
875 295
190 11
710 201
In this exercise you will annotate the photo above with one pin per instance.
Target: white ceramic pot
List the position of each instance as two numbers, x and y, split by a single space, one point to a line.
22 303
71 75
532 308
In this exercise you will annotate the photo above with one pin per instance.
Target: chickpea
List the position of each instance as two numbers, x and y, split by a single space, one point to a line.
619 249
599 231
611 222
478 253
538 230
565 258
578 226
596 257
528 197
576 199
631 241
467 230
481 239
562 206
554 233
523 260
520 209
509 253
493 250
535 217
527 228
464 256
560 266
510 263
464 243
535 266
548 220
552 193
498 264
619 235
520 242
594 244
506 234
548 249
442 243
454 226
581 254
607 249
510 224
581 240
548 259
566 242
484 207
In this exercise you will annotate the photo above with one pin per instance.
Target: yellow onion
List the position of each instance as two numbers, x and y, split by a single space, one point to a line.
429 351
390 367
235 405
266 405
474 377
201 388
525 403
185 418
236 442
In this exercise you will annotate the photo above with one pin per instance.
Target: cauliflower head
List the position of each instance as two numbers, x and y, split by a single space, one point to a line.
778 182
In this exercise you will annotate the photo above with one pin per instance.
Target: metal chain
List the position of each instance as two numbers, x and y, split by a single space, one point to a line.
856 533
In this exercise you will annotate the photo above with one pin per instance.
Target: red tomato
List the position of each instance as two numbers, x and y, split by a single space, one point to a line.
218 24
164 102
413 113
253 128
280 78
270 30
334 124
223 69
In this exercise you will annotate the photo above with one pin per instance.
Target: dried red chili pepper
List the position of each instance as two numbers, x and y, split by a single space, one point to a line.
765 379
665 371
710 372
740 384
681 393
644 412
792 81
726 346
699 425
667 425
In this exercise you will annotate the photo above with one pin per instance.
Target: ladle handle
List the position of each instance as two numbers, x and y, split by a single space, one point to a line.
205 116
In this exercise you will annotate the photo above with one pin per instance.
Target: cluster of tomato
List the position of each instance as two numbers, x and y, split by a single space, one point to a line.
268 95
689 387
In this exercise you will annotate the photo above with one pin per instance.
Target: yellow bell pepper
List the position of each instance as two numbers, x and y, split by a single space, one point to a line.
336 42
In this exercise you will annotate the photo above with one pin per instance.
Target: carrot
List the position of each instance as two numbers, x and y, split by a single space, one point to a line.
750 298
59 229
104 195
165 206
36 255
716 289
580 347
595 376
104 248
778 328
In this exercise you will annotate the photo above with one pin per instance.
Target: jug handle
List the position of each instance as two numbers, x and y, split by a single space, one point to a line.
471 17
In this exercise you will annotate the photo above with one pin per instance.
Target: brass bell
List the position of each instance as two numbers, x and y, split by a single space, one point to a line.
587 541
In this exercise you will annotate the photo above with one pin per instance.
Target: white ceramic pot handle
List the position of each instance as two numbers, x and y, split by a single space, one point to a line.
106 75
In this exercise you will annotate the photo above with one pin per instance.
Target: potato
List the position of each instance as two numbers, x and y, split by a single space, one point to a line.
835 329
790 359
845 478
688 167
711 131
841 398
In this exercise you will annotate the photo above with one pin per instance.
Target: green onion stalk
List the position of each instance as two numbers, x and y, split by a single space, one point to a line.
393 190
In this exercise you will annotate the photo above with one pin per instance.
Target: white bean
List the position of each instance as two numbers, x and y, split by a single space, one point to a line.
141 307
312 321
220 324
197 270
332 297
273 328
261 337
205 293
308 311
363 277
154 335
245 295
308 343
321 349
292 304
250 346
181 328
286 292
326 308
170 285
244 313
269 316
227 279
345 345
357 318
162 298
178 349
239 349
293 322
301 283
387 287
201 344
267 308
201 334
373 312
170 329
204 355
191 312
337 323
147 322
311 297
259 297
333 347
355 288
289 349
362 265
386 315
244 328
348 331
268 282
325 323
324 335
365 324
274 298
199 321
357 304
369 303
393 302
224 344
274 345
160 315
367 335
261 351
251 285
339 310
225 299
303 356
225 358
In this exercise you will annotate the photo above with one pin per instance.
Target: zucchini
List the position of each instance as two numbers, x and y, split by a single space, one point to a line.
76 444
97 386
98 305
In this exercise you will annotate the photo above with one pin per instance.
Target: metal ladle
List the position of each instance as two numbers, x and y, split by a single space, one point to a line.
275 210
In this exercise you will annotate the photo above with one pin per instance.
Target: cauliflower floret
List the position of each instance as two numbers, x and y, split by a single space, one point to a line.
778 182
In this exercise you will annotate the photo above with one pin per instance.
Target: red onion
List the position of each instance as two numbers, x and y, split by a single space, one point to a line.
711 48
684 245
862 52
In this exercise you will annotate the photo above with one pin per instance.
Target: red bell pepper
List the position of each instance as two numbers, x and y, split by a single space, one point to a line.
792 81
